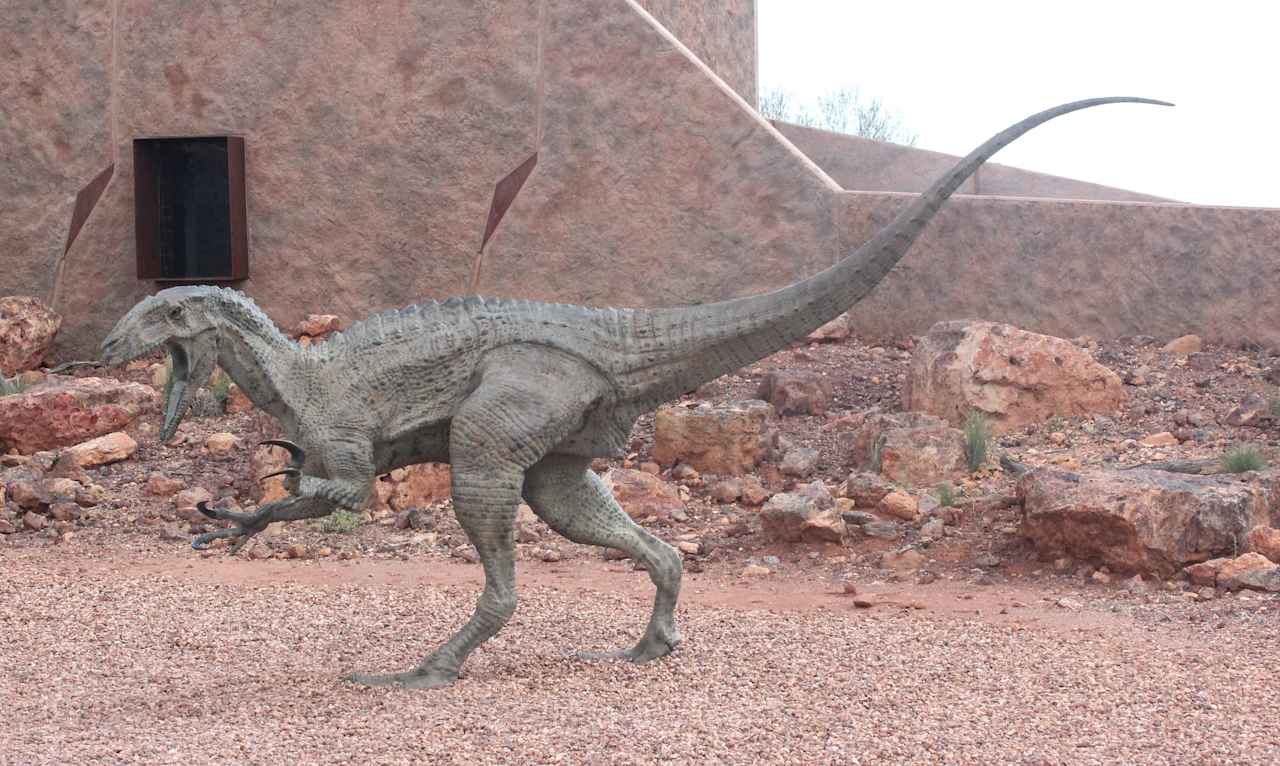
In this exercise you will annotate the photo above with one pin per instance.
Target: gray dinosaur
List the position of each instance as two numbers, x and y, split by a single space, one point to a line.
517 396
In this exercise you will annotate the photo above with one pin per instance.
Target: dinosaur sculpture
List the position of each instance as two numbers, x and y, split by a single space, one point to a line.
517 396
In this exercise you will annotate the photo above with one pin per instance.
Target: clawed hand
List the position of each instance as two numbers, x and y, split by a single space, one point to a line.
246 524
249 524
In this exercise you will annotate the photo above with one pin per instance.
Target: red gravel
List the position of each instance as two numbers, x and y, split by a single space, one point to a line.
237 662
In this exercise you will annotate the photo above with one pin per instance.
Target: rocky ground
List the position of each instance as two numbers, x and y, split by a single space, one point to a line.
893 629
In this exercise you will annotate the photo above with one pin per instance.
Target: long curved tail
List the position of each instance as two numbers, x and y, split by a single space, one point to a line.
700 343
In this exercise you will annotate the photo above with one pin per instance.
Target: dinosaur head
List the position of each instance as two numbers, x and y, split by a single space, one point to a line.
183 320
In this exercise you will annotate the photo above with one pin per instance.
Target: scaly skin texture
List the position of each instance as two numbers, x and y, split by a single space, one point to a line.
517 396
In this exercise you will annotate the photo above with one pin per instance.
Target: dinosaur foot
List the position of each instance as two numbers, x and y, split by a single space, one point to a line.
654 644
431 678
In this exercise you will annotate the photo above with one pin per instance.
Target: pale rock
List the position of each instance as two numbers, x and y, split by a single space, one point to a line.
800 462
796 392
1015 377
162 486
27 330
421 485
1184 345
753 492
866 490
793 517
756 570
836 330
1161 439
1140 520
909 448
882 530
1252 571
902 562
237 401
1253 411
728 439
899 505
222 444
1266 541
111 448
727 490
818 492
63 411
34 521
643 496
318 325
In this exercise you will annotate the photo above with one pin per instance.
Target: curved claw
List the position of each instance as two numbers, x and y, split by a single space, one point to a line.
204 508
202 541
283 472
297 455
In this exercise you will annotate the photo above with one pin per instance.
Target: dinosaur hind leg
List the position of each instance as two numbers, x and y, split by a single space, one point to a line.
528 400
566 494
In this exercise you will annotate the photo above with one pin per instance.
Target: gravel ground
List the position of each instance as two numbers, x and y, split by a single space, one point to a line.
119 664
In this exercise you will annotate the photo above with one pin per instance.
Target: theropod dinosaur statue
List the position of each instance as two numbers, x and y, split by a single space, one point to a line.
517 396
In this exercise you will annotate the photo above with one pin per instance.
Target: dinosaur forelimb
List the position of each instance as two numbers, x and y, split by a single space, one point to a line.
246 524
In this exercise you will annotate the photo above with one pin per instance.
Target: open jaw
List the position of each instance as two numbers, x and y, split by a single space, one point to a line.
191 364
179 391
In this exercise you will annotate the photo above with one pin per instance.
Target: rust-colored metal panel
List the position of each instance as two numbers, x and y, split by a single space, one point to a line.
238 211
504 193
86 199
144 211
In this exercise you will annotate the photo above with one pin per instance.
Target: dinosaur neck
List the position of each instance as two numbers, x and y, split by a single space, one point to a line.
256 355
705 342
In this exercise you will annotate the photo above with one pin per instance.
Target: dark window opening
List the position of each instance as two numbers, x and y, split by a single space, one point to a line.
190 209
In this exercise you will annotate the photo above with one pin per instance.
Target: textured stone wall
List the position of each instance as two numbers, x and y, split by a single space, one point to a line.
861 164
55 132
1070 268
376 135
720 32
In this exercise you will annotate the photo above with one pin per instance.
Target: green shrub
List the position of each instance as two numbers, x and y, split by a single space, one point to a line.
10 386
977 439
946 495
341 522
874 458
1243 459
220 387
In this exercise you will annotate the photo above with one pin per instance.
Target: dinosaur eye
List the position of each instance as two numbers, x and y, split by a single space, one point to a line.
175 312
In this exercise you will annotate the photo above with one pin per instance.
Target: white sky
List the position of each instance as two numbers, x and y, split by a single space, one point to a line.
957 72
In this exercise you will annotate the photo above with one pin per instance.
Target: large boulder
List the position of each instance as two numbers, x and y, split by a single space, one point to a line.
909 448
1266 541
795 517
62 411
796 392
421 485
111 448
725 439
27 328
1252 570
1139 520
642 495
1015 377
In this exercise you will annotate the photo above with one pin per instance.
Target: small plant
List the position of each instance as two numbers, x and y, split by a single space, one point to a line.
1243 459
220 387
168 376
341 522
873 459
10 386
946 495
977 439
1273 403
